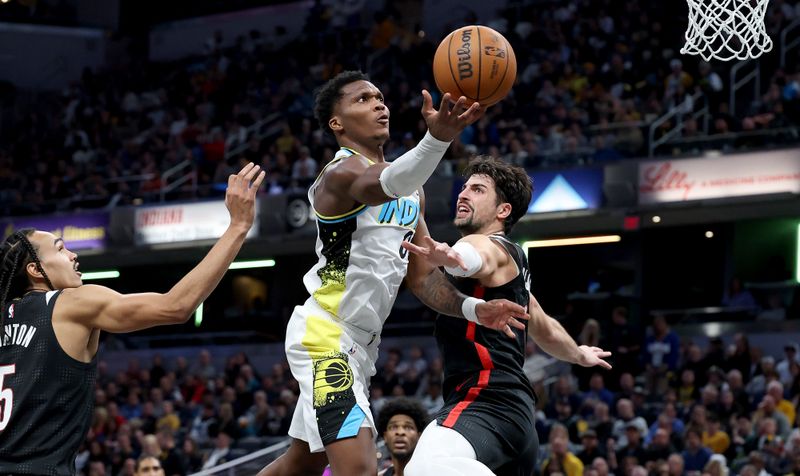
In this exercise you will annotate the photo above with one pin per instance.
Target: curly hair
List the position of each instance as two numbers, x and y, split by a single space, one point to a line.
511 183
403 406
330 93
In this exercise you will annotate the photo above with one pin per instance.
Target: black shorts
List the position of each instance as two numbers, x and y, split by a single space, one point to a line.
499 424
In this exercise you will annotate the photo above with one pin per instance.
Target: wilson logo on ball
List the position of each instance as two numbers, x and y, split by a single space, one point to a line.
464 56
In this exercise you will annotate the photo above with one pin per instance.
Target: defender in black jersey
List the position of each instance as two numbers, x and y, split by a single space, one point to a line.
487 423
50 325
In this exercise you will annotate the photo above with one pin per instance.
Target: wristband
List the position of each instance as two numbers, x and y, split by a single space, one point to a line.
468 309
471 258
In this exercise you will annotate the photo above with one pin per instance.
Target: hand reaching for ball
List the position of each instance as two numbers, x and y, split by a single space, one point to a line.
447 123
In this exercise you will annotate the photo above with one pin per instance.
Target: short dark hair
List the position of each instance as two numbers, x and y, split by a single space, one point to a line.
511 183
141 460
330 93
403 406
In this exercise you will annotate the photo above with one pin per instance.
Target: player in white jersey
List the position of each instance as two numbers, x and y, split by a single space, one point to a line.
366 208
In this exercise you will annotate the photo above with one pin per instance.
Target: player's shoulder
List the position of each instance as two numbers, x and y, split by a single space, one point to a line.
345 168
86 294
486 244
482 241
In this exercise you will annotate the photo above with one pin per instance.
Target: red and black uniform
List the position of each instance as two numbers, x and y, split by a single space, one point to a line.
488 398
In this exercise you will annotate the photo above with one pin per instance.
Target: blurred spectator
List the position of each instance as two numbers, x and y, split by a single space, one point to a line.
695 456
591 448
626 418
623 342
713 437
222 446
661 353
738 296
560 460
148 466
784 367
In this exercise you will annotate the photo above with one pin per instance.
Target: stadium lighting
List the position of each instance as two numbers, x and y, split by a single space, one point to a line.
579 240
94 275
198 315
262 263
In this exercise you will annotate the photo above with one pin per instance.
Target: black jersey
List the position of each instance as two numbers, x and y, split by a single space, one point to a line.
471 350
46 396
488 398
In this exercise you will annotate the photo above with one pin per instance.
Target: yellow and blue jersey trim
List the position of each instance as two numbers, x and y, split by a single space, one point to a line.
352 213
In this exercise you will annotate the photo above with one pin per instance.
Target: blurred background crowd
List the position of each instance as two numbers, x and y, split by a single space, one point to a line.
592 76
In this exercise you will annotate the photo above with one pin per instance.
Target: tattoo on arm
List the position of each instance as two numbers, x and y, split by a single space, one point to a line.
439 294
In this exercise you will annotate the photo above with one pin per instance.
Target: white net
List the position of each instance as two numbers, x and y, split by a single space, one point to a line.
727 29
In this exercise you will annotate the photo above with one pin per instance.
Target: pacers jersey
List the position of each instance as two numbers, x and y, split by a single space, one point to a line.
46 396
478 357
361 261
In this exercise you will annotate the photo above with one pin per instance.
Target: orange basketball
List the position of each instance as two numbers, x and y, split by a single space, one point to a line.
476 62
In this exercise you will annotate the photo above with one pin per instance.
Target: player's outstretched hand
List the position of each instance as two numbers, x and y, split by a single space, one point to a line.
593 356
240 198
446 123
502 315
437 254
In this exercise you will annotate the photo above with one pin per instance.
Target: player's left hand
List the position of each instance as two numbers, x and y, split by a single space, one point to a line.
502 315
437 254
593 356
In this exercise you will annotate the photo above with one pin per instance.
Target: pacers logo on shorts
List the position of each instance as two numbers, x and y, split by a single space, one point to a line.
332 376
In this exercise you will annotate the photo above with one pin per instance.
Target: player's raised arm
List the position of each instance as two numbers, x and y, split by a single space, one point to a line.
381 182
99 307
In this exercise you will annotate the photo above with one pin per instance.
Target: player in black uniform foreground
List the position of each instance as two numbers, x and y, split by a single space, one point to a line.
487 423
51 325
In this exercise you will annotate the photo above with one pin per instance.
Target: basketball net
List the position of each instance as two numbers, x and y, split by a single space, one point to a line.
727 29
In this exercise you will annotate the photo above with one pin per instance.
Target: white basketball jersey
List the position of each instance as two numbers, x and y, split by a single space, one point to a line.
361 263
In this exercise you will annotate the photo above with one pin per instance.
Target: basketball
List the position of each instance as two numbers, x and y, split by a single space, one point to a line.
476 62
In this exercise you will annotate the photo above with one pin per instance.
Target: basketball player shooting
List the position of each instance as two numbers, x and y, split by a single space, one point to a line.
51 328
486 425
366 208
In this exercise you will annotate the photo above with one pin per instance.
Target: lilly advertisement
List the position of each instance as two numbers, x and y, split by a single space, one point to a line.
79 232
719 177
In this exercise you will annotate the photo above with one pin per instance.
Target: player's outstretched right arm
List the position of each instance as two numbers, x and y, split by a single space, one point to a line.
99 307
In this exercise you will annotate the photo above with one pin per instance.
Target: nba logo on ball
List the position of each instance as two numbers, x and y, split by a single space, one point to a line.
475 62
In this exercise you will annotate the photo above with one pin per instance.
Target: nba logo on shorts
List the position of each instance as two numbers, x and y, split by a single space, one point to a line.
11 311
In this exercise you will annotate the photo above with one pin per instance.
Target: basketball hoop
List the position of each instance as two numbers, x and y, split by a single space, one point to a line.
727 29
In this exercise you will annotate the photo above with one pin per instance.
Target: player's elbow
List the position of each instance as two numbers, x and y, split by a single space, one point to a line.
174 311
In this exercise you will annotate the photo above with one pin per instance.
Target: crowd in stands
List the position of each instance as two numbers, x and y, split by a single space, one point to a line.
671 406
592 75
